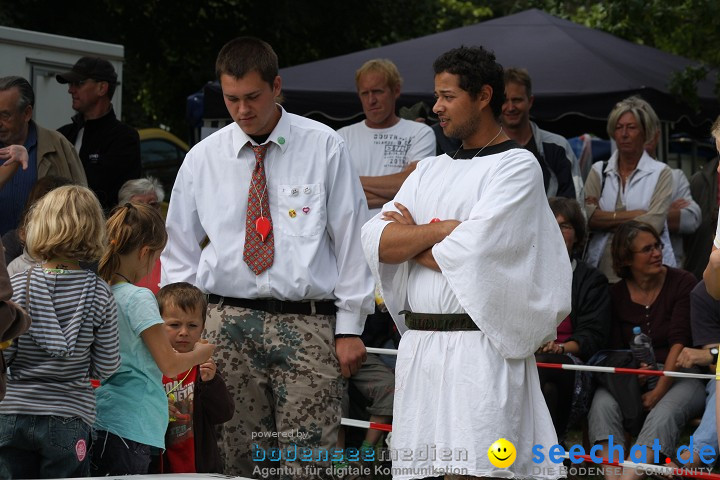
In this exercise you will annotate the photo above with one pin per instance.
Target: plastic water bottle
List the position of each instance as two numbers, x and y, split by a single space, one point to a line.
642 350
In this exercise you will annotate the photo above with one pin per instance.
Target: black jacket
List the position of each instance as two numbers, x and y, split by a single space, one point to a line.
110 154
213 406
590 315
698 245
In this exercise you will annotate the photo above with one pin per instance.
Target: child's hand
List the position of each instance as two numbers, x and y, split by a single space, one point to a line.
204 349
207 370
172 409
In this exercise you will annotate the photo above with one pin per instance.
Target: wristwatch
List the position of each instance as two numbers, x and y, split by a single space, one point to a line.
714 353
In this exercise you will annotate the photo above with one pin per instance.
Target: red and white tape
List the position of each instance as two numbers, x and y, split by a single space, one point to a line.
589 368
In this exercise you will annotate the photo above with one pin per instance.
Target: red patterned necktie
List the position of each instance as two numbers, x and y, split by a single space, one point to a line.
258 252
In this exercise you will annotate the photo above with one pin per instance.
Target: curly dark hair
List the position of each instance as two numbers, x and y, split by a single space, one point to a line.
476 67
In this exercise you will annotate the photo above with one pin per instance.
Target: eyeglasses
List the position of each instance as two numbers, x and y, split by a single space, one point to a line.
647 250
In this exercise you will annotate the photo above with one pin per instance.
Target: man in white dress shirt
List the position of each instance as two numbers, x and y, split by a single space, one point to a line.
289 289
473 269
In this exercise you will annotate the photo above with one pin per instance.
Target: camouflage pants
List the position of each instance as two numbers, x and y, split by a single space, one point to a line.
284 375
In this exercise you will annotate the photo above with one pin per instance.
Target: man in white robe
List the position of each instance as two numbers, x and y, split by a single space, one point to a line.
471 248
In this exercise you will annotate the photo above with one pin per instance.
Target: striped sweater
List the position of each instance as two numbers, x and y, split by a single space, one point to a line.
73 337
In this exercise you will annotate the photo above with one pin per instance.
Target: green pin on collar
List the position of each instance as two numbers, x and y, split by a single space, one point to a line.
281 140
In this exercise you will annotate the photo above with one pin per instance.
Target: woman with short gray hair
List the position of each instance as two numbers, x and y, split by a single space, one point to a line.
631 185
142 190
149 191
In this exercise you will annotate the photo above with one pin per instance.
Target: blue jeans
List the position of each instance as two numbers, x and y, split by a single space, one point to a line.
113 455
43 446
706 432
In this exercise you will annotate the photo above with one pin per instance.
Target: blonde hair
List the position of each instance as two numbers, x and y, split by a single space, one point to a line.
384 66
131 227
715 129
520 76
643 112
66 223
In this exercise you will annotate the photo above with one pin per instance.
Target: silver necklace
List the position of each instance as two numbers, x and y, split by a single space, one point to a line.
442 185
483 148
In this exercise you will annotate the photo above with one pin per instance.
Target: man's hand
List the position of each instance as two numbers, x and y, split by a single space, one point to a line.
690 357
207 370
351 353
375 201
14 154
403 217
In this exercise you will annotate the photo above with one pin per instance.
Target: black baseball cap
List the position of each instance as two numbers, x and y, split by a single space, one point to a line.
96 68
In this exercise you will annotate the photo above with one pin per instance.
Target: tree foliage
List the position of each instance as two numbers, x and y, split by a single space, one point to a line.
170 46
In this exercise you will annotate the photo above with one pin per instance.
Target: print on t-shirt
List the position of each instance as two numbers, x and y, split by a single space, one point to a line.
395 149
179 442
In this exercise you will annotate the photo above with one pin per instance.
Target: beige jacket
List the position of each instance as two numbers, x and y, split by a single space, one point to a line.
57 156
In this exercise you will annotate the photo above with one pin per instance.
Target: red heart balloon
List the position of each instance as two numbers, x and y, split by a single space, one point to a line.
263 227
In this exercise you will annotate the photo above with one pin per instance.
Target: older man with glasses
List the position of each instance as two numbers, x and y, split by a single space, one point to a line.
46 151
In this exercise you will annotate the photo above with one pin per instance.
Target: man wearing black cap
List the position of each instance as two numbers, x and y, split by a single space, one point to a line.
109 149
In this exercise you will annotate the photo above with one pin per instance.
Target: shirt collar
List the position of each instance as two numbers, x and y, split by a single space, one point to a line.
31 140
644 165
280 135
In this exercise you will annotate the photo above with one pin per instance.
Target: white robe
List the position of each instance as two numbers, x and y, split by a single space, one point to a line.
506 265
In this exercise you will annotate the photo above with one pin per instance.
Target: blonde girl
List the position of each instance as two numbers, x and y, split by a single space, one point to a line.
132 406
47 414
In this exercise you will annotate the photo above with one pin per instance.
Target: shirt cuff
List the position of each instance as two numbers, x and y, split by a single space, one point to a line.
687 222
349 322
716 242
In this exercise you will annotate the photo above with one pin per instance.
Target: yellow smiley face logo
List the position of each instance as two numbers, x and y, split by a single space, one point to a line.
502 453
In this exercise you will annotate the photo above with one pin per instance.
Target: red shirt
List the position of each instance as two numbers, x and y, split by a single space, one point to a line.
152 280
179 439
564 330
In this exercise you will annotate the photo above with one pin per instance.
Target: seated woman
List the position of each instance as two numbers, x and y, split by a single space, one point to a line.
656 298
582 333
